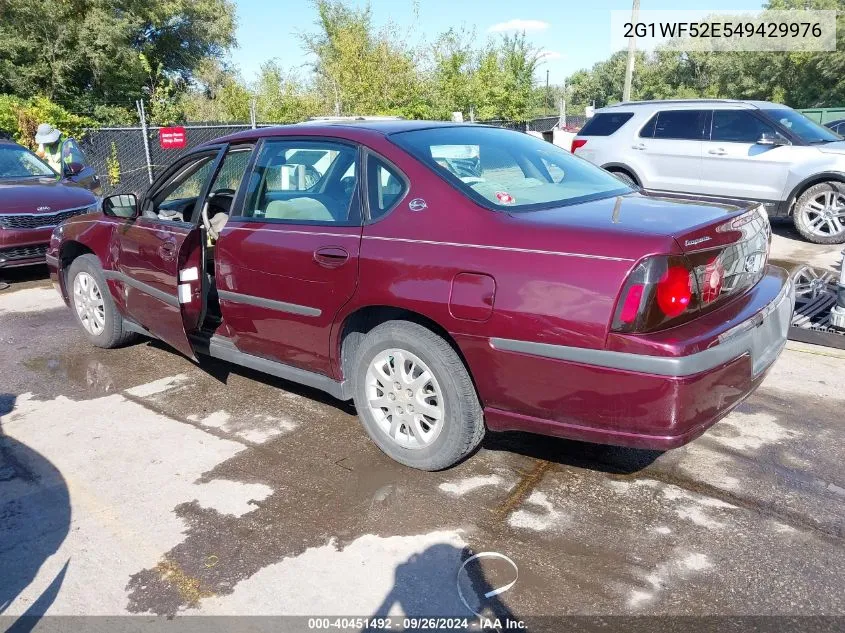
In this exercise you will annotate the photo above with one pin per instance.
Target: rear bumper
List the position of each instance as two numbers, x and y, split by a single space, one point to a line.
654 402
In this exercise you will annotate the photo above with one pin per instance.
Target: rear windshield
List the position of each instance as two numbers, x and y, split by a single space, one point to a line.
501 169
605 123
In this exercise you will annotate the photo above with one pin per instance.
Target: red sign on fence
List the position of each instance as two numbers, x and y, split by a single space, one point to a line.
172 137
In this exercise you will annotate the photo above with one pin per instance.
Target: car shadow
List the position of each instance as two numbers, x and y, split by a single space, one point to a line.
35 519
617 460
445 581
221 370
24 274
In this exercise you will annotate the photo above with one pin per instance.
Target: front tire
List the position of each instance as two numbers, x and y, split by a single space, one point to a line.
414 396
92 304
819 214
625 177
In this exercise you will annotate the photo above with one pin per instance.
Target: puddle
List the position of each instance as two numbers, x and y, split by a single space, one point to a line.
82 371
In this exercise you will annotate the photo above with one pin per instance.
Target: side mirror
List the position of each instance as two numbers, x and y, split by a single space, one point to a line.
72 169
123 205
771 139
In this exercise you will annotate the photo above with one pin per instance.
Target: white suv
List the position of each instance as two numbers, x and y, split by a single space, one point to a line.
727 149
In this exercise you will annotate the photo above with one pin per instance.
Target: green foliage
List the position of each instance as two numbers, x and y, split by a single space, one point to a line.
798 79
83 53
21 117
113 166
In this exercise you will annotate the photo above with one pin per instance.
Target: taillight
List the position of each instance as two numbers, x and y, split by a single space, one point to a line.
658 291
578 142
674 291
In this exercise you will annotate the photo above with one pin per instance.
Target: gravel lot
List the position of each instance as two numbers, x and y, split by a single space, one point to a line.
133 481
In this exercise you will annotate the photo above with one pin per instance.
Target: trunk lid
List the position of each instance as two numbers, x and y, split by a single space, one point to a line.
725 243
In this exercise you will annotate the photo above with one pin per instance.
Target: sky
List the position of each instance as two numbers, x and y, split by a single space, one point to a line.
573 35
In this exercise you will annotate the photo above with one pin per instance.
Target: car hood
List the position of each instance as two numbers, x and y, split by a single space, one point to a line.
42 195
693 223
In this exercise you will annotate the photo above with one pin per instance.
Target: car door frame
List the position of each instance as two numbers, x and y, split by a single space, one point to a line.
162 323
321 364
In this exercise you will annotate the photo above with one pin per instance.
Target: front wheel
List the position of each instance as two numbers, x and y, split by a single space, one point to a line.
93 305
819 213
415 397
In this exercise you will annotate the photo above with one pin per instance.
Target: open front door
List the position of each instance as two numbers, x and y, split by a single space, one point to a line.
162 254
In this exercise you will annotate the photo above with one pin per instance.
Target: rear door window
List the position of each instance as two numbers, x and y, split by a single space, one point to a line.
385 187
306 181
687 125
605 123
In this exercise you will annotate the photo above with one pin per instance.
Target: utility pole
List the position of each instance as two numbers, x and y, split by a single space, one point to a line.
252 113
546 109
632 50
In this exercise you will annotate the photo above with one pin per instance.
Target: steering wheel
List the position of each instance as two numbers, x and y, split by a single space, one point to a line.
225 191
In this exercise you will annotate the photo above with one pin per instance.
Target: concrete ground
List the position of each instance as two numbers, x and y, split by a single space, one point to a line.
134 482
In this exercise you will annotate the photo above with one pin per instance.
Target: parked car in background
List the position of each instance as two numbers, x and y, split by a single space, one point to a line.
33 200
449 279
752 150
837 126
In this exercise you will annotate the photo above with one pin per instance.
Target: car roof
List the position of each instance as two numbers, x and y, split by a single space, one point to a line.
691 104
343 128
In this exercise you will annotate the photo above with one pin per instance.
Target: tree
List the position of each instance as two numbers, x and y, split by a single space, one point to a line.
86 52
358 68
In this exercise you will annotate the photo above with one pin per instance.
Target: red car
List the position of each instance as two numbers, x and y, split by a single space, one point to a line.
33 200
449 279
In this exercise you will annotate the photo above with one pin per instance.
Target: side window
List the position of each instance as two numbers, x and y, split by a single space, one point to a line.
605 123
385 187
228 180
648 129
304 181
176 199
232 170
738 126
689 125
72 154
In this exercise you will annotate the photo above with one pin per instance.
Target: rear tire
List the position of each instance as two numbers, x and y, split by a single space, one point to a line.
819 213
423 413
92 304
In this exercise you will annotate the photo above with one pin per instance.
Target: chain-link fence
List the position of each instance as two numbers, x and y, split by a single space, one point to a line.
119 156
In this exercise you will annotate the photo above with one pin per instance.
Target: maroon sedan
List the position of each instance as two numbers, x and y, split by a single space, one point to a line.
33 200
449 279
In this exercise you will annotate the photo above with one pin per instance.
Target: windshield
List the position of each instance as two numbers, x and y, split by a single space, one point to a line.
19 162
508 170
807 130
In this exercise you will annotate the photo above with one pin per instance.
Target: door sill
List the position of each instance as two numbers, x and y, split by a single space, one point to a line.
223 348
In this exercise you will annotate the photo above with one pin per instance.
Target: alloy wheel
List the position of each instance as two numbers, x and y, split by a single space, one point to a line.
405 398
824 214
89 304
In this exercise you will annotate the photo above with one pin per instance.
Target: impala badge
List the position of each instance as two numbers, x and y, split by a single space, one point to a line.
417 204
44 208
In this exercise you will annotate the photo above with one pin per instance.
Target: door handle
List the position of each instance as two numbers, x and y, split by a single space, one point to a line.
331 256
167 250
638 146
719 151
